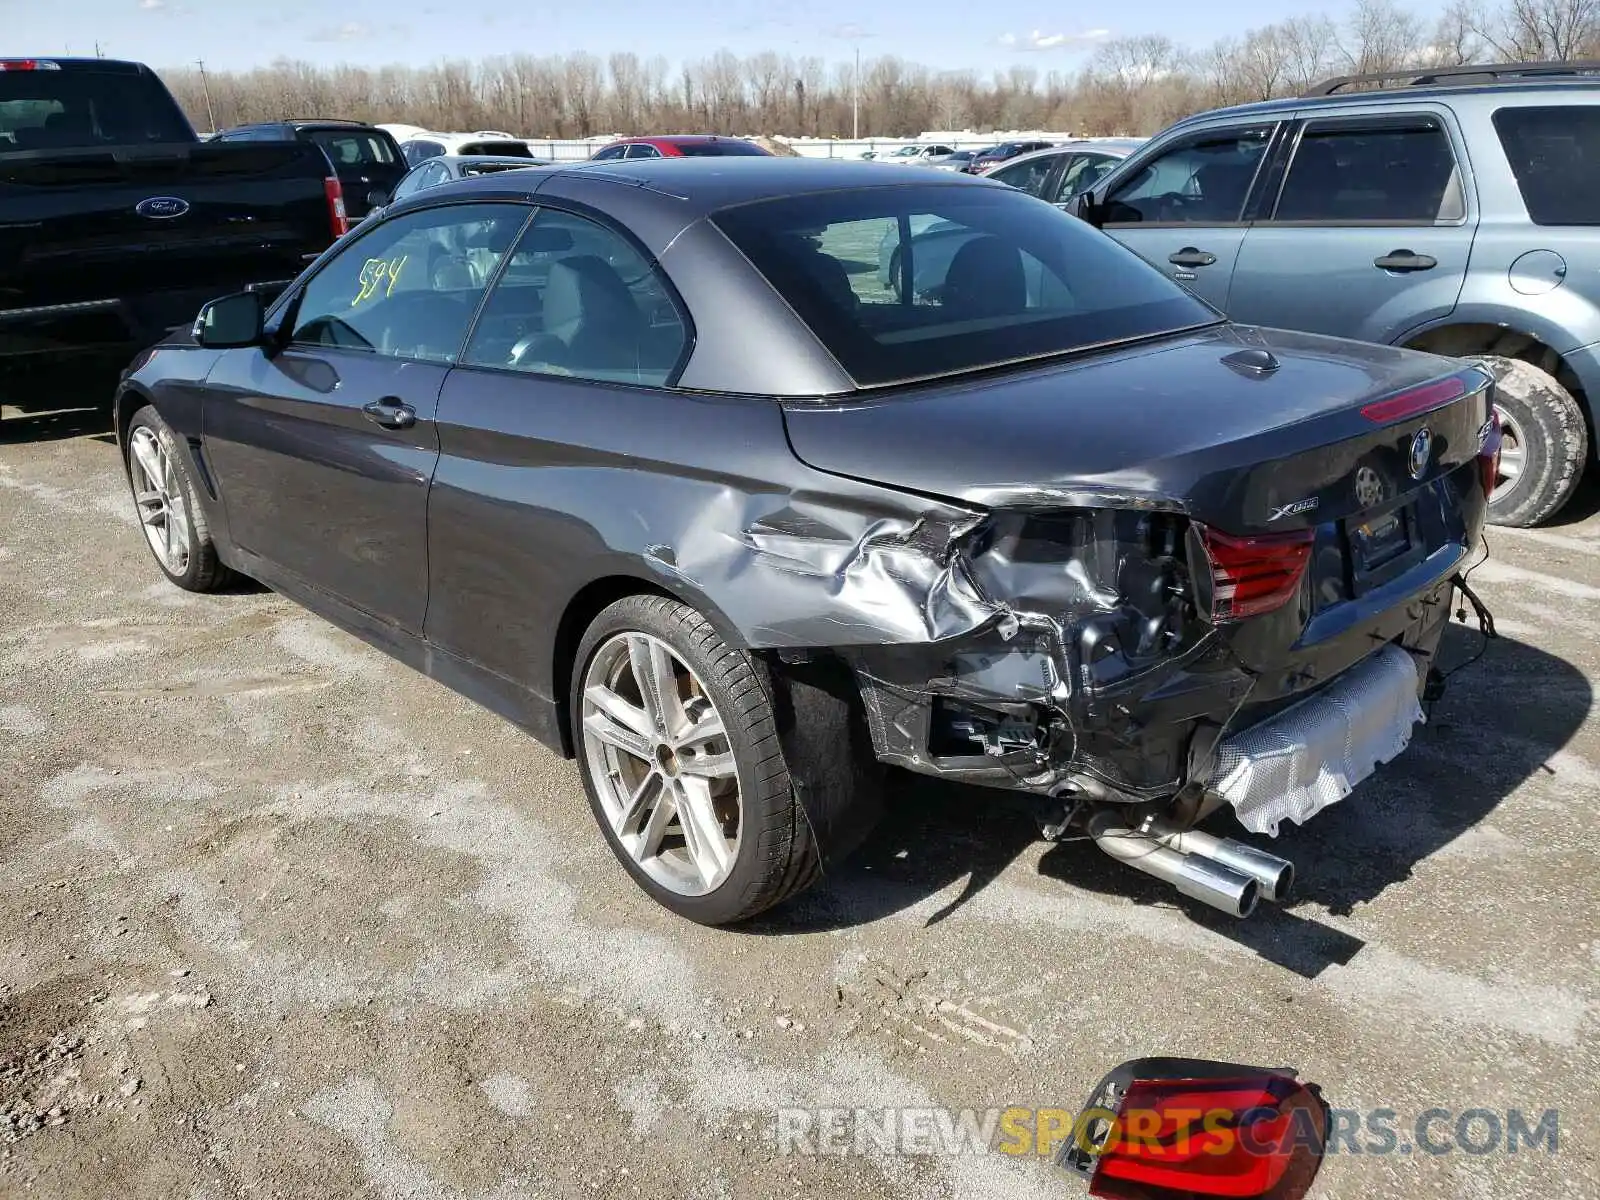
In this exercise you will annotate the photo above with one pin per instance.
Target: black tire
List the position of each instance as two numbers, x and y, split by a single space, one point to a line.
778 854
204 571
1555 440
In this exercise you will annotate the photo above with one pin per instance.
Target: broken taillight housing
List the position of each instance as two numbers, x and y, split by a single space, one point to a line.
1239 577
1489 451
1244 1137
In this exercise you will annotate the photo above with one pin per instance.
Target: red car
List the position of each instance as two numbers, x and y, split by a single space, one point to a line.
686 145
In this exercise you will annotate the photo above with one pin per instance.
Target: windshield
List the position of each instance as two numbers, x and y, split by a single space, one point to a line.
989 277
719 149
79 109
354 149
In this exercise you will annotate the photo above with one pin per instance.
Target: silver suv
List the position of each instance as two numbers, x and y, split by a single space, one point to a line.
1456 211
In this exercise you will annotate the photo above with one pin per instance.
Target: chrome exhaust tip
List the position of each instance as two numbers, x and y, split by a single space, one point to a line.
1210 882
1274 874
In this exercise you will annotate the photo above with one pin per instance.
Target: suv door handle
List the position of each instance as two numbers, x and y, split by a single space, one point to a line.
1190 256
1404 260
391 413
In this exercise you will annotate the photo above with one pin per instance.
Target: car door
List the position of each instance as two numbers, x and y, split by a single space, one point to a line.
323 443
577 340
1181 206
1370 233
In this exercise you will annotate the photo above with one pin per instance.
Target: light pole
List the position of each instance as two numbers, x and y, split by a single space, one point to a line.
855 100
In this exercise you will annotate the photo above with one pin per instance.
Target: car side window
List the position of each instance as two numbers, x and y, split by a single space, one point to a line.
408 289
1201 179
1079 175
642 150
1028 176
418 152
608 152
578 299
1398 170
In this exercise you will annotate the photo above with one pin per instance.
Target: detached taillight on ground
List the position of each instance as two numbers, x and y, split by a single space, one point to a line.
336 214
1191 1128
1489 450
1239 577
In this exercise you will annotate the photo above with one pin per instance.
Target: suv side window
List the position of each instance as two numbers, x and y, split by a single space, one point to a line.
1200 179
409 288
1554 152
1397 170
578 299
608 152
642 150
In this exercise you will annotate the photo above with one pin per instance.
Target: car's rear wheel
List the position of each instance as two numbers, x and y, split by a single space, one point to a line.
168 507
682 762
1544 446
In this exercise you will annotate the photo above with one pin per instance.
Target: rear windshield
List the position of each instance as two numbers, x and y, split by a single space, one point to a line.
913 282
719 149
508 149
76 109
356 148
1555 154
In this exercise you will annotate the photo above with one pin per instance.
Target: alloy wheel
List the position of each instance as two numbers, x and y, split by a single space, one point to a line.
158 492
1513 456
658 753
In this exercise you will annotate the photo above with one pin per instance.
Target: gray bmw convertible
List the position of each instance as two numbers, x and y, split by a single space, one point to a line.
645 457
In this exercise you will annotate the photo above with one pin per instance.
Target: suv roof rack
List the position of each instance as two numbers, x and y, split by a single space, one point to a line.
1473 73
317 121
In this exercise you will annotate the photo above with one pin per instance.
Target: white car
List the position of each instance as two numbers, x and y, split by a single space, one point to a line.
919 154
423 146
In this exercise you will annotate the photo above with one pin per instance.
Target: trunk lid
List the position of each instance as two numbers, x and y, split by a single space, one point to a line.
105 223
1189 424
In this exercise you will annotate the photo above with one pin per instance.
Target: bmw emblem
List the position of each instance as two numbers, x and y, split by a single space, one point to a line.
161 208
1421 451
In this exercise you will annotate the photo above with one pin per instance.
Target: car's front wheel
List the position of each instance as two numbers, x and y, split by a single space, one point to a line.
683 764
168 506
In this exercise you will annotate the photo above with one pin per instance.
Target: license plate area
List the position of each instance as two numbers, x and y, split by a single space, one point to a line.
1380 545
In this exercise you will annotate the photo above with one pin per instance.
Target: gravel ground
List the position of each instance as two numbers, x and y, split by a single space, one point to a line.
281 918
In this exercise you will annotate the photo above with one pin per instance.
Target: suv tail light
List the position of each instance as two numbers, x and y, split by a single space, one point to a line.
1489 450
28 64
1239 577
336 215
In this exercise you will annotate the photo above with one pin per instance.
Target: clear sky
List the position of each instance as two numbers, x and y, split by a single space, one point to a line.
942 33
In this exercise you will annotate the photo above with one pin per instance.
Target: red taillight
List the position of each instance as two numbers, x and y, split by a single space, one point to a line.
28 64
1416 400
1489 450
1248 575
336 215
1211 1137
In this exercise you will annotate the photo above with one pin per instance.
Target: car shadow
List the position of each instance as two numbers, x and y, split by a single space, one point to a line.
1499 722
57 403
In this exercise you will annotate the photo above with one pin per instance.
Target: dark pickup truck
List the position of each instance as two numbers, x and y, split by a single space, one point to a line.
117 222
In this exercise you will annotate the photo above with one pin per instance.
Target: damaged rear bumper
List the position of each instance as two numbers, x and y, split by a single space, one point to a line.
1026 705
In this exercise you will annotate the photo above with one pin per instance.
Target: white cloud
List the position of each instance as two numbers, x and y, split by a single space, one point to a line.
1039 40
350 31
152 5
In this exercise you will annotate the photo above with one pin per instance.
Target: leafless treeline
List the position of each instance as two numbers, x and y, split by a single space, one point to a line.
1129 85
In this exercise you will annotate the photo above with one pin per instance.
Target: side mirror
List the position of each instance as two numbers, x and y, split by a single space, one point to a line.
232 322
1085 208
377 198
